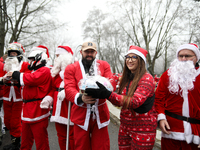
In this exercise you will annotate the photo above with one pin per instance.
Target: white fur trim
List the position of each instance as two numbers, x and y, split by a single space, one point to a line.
61 73
60 50
12 95
181 137
100 125
39 49
75 100
161 117
61 120
190 47
87 119
21 79
134 51
83 70
35 119
57 117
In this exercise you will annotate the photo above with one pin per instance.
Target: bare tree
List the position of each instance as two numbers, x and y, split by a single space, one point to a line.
93 28
191 14
149 24
24 20
110 39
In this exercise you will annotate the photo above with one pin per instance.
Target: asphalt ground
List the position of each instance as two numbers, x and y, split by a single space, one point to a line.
113 130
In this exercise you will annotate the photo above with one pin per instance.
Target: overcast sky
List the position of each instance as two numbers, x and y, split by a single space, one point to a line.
75 12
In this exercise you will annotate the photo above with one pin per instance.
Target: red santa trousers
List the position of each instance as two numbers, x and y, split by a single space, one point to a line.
37 131
62 136
170 144
130 140
93 139
12 117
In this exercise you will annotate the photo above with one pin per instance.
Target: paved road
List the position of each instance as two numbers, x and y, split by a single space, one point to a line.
53 140
113 129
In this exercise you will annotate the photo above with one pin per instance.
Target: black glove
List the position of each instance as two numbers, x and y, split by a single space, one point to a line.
100 93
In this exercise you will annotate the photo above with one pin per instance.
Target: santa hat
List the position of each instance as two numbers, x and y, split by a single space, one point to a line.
15 46
41 48
20 45
138 51
190 46
63 50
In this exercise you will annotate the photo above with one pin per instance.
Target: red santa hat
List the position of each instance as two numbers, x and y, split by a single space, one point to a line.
138 51
41 48
63 50
190 46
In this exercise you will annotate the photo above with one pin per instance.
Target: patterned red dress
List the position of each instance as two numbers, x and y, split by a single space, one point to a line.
137 131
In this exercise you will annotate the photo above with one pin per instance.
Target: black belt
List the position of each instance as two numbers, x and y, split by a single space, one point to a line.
31 100
11 84
191 120
59 89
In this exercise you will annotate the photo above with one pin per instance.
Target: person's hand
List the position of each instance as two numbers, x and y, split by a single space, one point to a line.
5 80
61 95
9 75
164 126
100 93
46 102
88 99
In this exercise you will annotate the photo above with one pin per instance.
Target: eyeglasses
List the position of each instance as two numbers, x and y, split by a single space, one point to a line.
186 56
132 58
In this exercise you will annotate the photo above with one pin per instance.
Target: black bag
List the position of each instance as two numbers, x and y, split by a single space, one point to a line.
146 106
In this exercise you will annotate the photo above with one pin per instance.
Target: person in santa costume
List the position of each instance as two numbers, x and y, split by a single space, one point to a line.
57 97
177 101
1 97
12 100
90 116
36 85
136 97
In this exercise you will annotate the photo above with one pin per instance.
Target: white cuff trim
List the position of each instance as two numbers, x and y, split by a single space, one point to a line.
75 100
161 117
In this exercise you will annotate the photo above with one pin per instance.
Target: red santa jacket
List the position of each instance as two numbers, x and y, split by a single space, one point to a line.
1 75
60 108
164 100
14 92
80 114
36 85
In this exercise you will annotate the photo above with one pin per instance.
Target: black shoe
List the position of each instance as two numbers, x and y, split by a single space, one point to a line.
1 137
15 145
11 147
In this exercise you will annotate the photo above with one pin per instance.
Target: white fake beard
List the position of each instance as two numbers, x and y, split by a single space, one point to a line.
60 63
11 64
183 74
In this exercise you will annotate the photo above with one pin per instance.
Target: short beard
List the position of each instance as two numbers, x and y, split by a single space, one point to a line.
87 62
183 74
11 64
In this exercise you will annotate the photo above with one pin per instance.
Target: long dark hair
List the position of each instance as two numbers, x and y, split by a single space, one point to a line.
139 72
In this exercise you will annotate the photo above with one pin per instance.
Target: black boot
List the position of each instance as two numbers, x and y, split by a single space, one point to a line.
15 145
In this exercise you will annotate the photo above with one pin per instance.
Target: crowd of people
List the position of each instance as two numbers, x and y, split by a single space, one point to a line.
74 93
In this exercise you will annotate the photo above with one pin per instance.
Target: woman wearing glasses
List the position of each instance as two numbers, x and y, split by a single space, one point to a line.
136 96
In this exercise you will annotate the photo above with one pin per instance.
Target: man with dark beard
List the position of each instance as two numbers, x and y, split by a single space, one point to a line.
12 100
177 101
89 115
57 97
